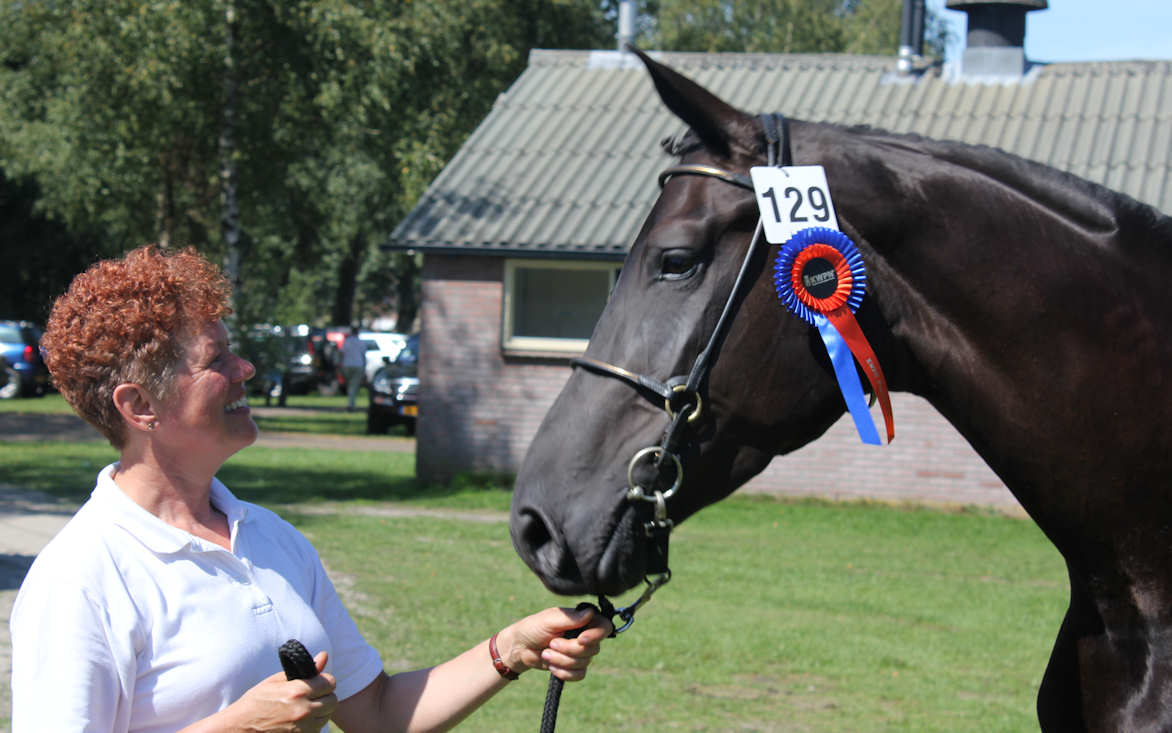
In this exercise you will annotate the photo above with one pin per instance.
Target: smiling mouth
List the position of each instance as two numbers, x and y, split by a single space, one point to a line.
238 404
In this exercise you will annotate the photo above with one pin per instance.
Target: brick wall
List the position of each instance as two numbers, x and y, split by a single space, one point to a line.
479 410
928 462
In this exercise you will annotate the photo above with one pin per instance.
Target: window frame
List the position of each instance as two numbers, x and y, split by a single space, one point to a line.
512 344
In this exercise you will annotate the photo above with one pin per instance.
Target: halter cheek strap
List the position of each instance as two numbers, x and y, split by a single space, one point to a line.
681 394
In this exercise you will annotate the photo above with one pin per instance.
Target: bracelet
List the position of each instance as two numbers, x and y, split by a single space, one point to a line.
498 663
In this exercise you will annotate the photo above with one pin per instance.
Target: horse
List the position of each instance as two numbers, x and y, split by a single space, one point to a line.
1028 306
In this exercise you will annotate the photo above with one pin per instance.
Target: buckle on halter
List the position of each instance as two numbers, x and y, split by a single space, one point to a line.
696 407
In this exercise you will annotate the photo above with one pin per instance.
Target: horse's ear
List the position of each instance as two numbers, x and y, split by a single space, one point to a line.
716 122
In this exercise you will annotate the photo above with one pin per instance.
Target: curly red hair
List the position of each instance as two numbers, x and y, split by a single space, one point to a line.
124 321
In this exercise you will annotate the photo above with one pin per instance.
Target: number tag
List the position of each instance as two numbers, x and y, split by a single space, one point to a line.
792 199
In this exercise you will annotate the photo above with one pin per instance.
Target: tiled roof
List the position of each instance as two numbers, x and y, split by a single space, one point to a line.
566 162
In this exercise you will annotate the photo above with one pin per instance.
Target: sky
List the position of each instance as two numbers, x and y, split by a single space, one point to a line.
1086 30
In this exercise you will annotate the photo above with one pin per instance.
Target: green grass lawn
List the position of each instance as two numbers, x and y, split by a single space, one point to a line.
328 423
782 616
52 403
327 413
55 403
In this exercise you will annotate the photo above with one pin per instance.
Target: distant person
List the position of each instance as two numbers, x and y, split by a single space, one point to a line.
353 365
161 604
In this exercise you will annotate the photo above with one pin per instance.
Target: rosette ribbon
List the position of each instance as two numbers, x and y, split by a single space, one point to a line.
820 277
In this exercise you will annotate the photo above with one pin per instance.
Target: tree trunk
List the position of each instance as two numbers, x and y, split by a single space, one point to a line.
165 206
407 293
229 175
343 310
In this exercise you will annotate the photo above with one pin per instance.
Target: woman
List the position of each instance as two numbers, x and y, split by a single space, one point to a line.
160 605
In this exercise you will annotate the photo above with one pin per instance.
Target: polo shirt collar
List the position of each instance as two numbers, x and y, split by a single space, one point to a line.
155 534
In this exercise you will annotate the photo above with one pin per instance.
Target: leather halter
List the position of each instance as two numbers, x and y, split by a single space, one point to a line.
681 394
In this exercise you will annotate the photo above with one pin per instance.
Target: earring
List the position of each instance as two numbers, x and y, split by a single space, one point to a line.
151 425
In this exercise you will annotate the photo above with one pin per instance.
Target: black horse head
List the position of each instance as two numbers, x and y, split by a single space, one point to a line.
770 389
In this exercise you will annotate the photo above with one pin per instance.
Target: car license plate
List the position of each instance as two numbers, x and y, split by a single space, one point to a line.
409 410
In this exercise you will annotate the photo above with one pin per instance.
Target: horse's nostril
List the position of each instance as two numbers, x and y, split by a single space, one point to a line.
533 533
545 551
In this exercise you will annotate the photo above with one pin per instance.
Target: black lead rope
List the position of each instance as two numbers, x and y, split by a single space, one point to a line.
656 568
553 693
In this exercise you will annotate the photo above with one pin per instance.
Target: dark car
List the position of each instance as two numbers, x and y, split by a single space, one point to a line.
22 371
394 391
288 360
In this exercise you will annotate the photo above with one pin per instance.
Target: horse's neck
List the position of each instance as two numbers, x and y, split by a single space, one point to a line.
1002 283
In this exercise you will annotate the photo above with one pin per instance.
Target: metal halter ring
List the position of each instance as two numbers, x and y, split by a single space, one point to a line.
635 492
698 407
627 613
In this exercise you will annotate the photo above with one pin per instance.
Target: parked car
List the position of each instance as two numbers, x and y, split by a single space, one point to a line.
382 348
22 371
394 391
288 360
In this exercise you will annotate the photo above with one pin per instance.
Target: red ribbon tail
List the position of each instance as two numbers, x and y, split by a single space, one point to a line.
848 328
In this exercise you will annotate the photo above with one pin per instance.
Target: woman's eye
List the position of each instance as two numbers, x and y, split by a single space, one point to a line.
677 264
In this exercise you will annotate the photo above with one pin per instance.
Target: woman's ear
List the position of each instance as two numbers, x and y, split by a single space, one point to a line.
136 406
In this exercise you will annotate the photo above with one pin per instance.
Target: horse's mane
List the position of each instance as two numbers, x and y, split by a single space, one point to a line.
1009 169
1062 190
680 145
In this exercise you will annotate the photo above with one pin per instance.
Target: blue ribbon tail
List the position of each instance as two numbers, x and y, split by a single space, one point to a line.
848 380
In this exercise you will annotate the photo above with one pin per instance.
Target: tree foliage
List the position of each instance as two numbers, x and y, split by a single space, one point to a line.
113 118
40 254
344 110
776 26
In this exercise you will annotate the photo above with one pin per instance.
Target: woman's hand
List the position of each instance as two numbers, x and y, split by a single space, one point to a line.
283 706
537 642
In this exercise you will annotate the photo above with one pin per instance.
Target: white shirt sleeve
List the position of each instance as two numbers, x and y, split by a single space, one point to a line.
71 671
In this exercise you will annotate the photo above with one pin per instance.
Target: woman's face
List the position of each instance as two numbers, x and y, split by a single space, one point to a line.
207 412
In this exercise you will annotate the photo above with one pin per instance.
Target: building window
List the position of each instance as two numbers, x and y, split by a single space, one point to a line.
552 306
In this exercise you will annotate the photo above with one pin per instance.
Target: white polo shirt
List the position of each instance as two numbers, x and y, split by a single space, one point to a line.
125 623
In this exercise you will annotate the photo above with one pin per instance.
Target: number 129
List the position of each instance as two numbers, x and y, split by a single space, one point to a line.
815 197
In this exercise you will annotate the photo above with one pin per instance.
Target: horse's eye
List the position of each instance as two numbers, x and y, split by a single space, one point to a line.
677 264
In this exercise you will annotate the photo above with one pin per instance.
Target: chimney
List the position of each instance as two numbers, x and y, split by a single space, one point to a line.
911 35
626 32
995 44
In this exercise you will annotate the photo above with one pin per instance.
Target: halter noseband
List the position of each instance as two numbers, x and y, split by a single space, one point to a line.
681 394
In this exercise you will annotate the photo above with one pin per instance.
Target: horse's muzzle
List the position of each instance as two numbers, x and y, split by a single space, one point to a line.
545 552
608 566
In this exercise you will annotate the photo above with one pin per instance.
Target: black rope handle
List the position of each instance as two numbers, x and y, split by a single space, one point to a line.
553 693
296 662
553 698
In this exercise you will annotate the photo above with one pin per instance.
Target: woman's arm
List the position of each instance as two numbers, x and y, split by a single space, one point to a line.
437 698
